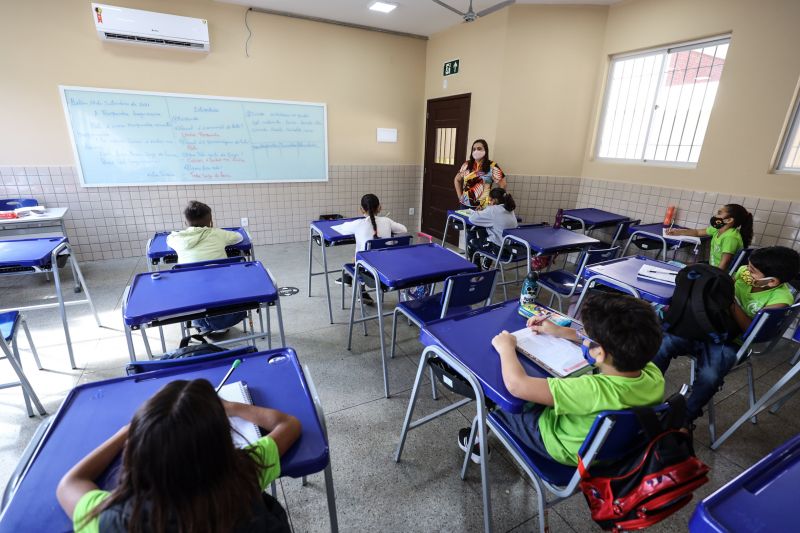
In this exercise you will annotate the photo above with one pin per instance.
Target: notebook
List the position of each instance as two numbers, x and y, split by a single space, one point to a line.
558 356
465 212
242 431
657 274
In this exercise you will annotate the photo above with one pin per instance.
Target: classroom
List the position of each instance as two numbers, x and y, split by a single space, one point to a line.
334 213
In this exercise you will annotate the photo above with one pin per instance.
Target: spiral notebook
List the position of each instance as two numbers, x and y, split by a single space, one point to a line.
242 431
558 356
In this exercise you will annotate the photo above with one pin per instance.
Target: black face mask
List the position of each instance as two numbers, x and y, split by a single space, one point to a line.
716 222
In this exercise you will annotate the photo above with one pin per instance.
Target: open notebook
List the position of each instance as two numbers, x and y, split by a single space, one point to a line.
242 431
558 356
657 274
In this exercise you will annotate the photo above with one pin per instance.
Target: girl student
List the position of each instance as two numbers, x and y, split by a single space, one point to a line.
180 470
370 227
731 230
490 222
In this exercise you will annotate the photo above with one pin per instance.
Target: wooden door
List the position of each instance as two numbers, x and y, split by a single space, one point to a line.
445 151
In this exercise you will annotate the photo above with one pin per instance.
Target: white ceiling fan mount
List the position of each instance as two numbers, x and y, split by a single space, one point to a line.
470 15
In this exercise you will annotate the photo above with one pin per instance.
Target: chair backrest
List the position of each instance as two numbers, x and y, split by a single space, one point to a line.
469 288
141 367
594 256
516 250
378 244
622 229
768 325
211 262
9 204
741 258
620 432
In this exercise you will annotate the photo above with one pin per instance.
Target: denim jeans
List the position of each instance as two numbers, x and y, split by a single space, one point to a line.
714 361
525 426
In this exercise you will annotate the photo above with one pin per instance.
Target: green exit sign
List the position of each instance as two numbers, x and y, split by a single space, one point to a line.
451 67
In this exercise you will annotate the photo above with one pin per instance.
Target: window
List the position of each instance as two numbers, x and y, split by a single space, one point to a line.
657 103
445 153
790 154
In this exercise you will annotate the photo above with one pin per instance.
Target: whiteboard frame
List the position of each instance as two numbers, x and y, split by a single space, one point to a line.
62 89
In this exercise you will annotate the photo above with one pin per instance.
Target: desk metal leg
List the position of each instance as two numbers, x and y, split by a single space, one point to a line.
310 257
379 304
146 342
129 341
163 341
77 270
63 311
331 496
327 278
269 328
27 389
280 322
444 233
355 286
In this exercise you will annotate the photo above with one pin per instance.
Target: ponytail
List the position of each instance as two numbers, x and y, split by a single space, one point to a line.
743 220
370 205
502 197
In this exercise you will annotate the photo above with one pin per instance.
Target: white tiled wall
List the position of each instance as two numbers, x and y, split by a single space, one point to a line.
110 222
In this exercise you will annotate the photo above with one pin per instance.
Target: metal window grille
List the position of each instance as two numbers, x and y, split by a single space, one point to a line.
658 103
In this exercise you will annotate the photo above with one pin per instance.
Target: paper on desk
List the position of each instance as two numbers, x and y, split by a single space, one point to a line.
654 273
465 212
683 238
558 356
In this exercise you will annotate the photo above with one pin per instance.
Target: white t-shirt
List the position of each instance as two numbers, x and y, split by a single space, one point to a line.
363 231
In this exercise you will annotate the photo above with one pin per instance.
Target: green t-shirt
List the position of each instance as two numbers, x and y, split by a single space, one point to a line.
265 449
728 242
752 302
577 401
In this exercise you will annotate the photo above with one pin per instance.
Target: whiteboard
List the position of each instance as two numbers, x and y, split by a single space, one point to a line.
123 138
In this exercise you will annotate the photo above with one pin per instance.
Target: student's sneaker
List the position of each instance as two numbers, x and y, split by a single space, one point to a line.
347 282
367 299
463 440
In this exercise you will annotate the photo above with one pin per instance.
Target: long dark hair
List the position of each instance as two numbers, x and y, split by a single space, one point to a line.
486 163
743 220
502 197
370 205
179 463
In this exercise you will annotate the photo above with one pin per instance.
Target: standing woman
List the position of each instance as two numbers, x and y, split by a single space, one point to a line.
477 176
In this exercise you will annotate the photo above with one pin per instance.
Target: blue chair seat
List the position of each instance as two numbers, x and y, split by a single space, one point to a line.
560 281
429 309
8 322
551 471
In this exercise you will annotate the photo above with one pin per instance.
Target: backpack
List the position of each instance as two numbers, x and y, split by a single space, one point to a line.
700 307
185 350
652 482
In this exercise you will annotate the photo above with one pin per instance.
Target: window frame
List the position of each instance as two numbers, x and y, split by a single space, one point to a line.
792 129
665 50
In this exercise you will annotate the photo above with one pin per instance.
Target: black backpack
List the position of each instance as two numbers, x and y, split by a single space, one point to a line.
700 307
653 481
192 350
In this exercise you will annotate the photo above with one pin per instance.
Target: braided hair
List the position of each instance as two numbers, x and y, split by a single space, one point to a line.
370 205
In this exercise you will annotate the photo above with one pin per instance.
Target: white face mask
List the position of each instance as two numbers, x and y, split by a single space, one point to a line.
478 154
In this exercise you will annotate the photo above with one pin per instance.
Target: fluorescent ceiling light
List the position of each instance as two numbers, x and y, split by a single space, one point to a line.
383 7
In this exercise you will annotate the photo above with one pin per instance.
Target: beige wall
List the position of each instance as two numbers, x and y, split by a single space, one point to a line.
368 79
760 75
532 72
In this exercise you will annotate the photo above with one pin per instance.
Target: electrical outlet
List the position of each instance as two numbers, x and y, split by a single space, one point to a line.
245 222
410 210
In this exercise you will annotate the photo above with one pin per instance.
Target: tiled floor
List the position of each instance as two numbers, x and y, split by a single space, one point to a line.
421 493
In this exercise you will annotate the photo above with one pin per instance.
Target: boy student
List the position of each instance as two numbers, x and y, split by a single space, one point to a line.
201 241
622 334
763 283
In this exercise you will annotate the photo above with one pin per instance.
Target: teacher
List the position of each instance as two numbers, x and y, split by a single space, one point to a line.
477 176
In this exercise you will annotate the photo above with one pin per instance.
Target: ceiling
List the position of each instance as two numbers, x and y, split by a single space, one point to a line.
419 17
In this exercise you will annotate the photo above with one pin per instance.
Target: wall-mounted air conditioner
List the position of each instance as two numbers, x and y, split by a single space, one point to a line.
120 24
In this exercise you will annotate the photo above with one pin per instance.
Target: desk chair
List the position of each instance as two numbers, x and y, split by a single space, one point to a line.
373 244
140 367
646 241
562 284
512 252
613 435
9 204
767 327
9 327
741 258
459 294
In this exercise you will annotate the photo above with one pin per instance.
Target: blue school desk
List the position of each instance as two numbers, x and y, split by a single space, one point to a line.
591 218
655 232
464 342
762 498
42 256
399 268
93 412
453 218
546 240
158 252
177 296
621 274
322 233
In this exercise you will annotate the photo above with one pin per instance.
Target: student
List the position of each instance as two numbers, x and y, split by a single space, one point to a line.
201 241
180 470
731 230
496 217
622 336
477 176
762 283
370 227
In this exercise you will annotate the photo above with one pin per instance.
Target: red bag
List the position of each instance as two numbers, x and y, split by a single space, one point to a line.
651 483
540 262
